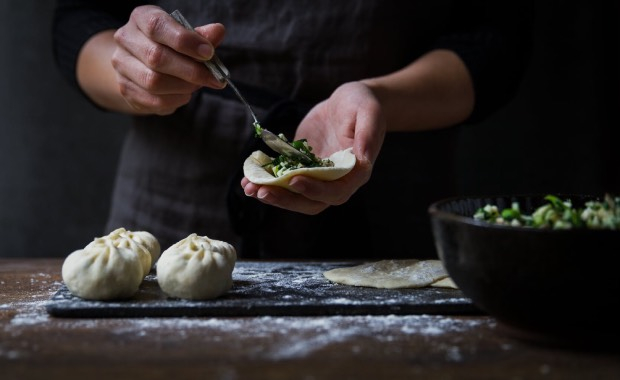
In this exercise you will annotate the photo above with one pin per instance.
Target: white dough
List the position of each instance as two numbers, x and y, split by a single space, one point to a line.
144 238
392 274
103 271
444 283
196 268
123 238
254 170
150 242
112 266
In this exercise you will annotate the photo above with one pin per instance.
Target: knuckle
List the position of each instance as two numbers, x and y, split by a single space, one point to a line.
153 24
117 60
154 56
150 80
120 36
124 89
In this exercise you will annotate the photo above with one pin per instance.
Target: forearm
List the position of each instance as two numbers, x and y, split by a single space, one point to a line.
435 91
96 76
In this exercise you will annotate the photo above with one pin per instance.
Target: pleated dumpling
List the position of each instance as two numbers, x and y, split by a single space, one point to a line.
103 271
149 244
106 268
196 268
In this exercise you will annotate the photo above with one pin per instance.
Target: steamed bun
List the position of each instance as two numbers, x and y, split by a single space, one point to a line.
112 266
196 268
103 271
145 239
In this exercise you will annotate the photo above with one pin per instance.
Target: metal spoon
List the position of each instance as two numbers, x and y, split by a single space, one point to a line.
222 74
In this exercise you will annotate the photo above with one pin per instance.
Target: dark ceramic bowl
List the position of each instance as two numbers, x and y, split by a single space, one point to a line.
553 286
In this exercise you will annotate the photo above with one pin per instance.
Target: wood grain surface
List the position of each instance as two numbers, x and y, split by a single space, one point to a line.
36 345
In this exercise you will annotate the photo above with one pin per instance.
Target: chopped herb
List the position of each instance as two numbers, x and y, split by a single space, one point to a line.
257 129
557 214
284 164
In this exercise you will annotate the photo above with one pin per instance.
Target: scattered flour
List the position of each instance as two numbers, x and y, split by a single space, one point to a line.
276 338
288 337
296 337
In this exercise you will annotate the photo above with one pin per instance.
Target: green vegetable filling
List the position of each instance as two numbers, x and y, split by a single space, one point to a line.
283 164
557 214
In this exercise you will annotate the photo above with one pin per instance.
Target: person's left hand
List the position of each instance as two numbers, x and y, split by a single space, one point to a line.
351 117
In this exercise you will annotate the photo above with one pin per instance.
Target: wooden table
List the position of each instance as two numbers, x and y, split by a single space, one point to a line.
35 345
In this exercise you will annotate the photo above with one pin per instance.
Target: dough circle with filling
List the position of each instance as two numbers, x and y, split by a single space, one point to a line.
253 169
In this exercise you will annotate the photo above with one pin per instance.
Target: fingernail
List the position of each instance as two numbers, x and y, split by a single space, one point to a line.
249 194
205 51
262 194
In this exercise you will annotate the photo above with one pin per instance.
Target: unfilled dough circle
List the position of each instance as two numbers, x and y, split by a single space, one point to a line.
392 274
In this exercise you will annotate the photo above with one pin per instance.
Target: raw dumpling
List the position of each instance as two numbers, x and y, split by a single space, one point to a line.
106 268
144 238
103 271
196 268
123 238
149 241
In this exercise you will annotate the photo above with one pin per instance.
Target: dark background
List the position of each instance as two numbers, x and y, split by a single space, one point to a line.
58 153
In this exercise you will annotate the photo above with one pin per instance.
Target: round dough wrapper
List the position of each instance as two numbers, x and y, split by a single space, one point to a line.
253 169
196 268
391 274
103 271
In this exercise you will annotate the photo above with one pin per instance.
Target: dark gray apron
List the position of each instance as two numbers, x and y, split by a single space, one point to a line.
180 174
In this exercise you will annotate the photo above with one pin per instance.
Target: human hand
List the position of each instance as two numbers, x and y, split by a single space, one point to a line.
158 62
351 117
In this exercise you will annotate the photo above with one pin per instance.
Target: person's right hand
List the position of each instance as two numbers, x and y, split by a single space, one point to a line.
158 62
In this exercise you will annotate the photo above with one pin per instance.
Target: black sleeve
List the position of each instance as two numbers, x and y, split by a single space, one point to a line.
75 21
494 40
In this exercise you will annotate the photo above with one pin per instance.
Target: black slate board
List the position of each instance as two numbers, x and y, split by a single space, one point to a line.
271 289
